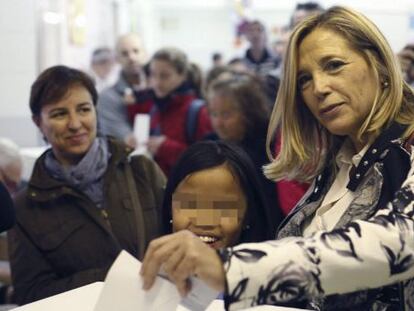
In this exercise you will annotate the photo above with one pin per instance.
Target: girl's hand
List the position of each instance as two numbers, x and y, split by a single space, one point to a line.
154 143
182 254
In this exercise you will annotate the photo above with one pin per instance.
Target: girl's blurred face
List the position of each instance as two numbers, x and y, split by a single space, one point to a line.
164 77
69 125
226 118
211 204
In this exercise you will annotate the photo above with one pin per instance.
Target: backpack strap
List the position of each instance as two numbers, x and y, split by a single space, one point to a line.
154 131
192 119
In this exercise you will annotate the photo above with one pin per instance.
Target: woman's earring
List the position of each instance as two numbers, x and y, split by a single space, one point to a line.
384 84
171 221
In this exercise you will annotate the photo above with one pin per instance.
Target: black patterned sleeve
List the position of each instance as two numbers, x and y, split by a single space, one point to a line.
362 255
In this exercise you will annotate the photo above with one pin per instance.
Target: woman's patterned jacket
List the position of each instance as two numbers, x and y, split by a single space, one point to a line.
365 263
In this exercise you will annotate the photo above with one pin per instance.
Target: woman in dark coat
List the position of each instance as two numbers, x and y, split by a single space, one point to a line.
87 198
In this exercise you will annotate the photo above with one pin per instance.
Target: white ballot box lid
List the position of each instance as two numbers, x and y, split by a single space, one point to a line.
80 299
122 291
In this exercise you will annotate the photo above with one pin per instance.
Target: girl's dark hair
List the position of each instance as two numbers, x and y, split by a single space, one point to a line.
53 84
208 154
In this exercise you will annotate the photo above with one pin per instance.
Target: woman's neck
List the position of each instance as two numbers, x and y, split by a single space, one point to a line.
360 143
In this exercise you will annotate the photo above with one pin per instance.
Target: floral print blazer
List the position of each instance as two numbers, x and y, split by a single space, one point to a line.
365 263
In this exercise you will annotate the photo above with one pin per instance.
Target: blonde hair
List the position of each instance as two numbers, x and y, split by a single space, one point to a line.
305 144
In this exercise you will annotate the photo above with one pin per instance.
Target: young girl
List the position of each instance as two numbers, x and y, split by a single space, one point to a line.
214 192
172 97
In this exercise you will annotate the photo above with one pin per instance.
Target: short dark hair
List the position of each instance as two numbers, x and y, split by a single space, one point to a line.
208 154
213 74
256 22
101 55
309 6
53 83
217 56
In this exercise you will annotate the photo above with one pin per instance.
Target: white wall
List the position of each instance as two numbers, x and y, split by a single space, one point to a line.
17 69
202 27
29 45
100 18
199 27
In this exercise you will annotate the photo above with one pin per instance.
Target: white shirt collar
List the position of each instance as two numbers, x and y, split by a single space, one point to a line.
347 155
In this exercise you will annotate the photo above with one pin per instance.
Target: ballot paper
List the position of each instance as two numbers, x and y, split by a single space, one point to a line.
141 132
123 289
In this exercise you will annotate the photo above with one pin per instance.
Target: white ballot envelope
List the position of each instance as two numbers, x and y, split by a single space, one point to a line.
141 132
123 289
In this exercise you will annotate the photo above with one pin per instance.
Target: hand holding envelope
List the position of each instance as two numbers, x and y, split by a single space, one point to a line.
182 255
122 289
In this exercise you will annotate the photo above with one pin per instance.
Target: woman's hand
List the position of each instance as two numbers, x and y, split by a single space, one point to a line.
154 143
131 141
182 254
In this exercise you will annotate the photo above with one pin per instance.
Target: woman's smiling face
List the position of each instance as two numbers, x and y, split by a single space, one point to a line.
211 204
69 125
336 82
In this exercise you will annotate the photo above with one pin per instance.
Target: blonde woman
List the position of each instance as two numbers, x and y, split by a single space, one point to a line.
346 118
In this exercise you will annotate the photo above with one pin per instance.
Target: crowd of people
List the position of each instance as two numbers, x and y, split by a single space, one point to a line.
275 179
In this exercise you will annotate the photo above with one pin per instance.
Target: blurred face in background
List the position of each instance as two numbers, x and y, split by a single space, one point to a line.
103 68
69 125
226 117
211 204
130 54
256 34
164 77
301 14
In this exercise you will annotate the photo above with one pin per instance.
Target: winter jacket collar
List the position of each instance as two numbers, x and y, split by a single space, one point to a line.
171 99
42 187
376 152
265 56
387 144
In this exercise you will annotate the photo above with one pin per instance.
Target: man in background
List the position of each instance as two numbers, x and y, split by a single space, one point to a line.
112 110
103 68
304 10
258 57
